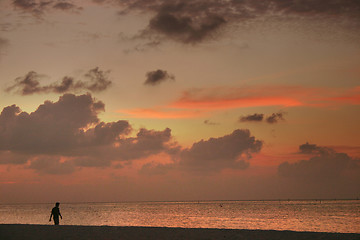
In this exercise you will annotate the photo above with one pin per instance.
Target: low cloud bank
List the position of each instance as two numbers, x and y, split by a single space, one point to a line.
324 163
59 137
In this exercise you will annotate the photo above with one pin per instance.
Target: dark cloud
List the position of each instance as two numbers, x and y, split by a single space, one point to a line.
97 80
259 117
230 151
192 22
38 8
146 143
54 128
245 8
184 21
318 7
66 84
326 164
184 28
108 133
256 117
59 137
27 85
66 6
196 21
275 117
158 76
25 4
70 129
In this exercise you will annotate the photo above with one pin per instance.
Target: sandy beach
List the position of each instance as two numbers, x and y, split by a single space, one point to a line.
30 232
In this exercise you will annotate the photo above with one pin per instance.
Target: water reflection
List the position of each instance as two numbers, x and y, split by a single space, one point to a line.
329 216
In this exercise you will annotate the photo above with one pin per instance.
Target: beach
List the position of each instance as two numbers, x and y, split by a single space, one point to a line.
38 232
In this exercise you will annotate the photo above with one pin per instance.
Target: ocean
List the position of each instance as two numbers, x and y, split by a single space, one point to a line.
319 216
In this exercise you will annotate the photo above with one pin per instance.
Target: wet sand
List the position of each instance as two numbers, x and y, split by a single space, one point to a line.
38 232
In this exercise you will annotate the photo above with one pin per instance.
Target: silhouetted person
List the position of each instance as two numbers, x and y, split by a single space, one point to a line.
55 213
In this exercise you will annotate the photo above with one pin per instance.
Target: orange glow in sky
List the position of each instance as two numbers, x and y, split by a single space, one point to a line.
179 100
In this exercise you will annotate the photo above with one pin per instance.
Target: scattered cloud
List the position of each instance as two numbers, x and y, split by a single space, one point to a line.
28 84
173 22
193 22
142 47
259 117
38 8
326 164
96 81
198 21
158 76
330 8
275 117
65 6
25 4
208 122
256 117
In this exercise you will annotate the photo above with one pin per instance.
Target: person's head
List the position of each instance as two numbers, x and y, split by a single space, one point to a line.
57 204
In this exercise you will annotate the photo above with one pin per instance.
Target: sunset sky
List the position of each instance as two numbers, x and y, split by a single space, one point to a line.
136 100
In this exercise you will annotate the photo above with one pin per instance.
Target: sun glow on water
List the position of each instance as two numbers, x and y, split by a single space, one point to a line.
324 216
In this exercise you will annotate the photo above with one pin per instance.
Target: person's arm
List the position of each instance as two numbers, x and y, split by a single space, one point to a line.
50 216
60 214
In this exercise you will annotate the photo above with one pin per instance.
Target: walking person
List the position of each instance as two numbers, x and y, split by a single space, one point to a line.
55 213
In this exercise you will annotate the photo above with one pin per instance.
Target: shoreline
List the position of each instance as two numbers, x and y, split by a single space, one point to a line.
30 232
195 201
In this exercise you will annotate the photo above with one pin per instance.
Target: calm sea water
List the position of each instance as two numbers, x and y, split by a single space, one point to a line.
325 216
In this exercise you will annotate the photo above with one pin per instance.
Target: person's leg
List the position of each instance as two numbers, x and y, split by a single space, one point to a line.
56 221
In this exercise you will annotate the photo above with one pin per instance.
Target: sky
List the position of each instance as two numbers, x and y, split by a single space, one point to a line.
172 100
